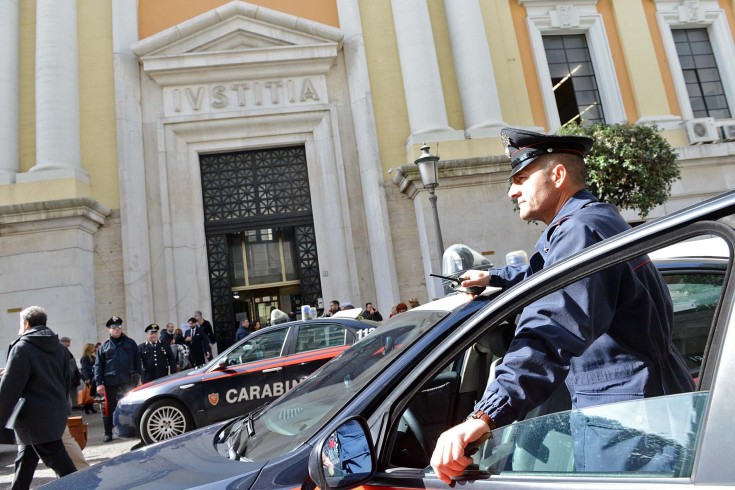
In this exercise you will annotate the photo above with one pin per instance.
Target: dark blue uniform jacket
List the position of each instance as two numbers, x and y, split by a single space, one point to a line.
609 336
117 360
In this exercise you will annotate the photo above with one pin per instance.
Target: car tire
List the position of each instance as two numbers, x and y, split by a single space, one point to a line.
163 420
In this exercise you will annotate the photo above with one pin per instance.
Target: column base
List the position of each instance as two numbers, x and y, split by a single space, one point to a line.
487 131
41 173
447 134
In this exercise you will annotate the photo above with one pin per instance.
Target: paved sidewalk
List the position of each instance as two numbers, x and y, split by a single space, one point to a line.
95 452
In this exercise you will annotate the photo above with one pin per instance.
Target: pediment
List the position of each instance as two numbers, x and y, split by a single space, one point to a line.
213 31
237 34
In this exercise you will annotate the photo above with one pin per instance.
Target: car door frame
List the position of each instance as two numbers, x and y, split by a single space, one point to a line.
439 347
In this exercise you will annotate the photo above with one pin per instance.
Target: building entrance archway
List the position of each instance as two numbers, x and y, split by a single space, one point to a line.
261 244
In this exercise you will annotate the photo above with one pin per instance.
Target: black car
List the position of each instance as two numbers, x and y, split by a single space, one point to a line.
254 371
695 282
371 416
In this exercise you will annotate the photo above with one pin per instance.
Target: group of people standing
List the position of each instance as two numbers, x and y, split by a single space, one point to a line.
246 328
121 364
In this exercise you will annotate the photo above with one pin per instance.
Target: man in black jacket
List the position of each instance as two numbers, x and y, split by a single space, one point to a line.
117 370
198 342
34 392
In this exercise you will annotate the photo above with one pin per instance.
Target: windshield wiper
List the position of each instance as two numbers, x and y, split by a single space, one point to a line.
235 439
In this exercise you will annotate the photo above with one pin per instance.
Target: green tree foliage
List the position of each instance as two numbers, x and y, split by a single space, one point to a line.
630 166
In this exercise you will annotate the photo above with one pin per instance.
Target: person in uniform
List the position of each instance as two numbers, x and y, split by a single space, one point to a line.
117 370
157 358
608 336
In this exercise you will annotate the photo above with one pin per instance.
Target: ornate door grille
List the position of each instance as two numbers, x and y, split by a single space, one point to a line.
248 190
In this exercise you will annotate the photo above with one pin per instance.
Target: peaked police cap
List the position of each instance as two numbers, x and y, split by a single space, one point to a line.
523 146
115 320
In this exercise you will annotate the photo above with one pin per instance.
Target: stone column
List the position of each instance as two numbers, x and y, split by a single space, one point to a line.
57 91
474 66
136 243
9 90
381 245
427 112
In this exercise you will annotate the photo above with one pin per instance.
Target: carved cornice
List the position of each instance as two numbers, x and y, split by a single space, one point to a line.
408 180
81 213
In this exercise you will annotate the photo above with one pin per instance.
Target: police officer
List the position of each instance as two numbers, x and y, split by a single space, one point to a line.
613 326
116 370
157 357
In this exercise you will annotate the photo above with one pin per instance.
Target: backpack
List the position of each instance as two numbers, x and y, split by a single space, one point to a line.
182 356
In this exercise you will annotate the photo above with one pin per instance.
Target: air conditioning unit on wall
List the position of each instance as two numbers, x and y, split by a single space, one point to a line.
701 130
728 129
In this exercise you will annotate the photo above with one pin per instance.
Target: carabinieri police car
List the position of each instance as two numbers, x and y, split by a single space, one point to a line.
254 371
370 418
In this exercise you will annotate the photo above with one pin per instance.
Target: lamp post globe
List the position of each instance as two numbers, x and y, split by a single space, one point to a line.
428 165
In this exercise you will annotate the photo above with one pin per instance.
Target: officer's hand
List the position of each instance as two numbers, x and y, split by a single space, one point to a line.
448 459
101 389
475 278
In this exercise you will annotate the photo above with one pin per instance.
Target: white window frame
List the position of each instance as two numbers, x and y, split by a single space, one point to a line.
574 17
692 14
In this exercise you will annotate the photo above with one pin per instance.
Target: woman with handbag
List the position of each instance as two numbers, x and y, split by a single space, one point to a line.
86 395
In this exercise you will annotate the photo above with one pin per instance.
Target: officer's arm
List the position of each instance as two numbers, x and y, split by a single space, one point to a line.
99 366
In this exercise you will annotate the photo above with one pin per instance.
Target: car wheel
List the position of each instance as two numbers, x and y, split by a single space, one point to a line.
163 420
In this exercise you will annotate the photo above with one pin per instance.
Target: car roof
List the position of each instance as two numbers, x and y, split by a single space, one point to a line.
348 322
695 248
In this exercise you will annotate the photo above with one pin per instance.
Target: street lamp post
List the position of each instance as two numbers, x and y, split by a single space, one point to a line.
428 165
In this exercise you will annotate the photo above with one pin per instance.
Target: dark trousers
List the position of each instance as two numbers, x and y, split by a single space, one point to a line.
51 453
113 393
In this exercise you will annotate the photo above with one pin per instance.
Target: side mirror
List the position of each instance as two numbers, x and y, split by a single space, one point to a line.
345 458
222 364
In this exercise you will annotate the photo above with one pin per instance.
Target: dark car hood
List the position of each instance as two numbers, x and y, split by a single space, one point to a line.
192 374
187 461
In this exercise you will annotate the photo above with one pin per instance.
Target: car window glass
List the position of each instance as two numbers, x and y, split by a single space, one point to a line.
647 437
320 336
264 346
294 417
694 271
695 297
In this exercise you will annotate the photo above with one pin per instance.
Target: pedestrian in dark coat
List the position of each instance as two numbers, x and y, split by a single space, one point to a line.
371 313
167 334
608 336
198 342
34 391
157 357
117 370
206 327
243 330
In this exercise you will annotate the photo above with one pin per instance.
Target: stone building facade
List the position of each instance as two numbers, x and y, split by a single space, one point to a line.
158 158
